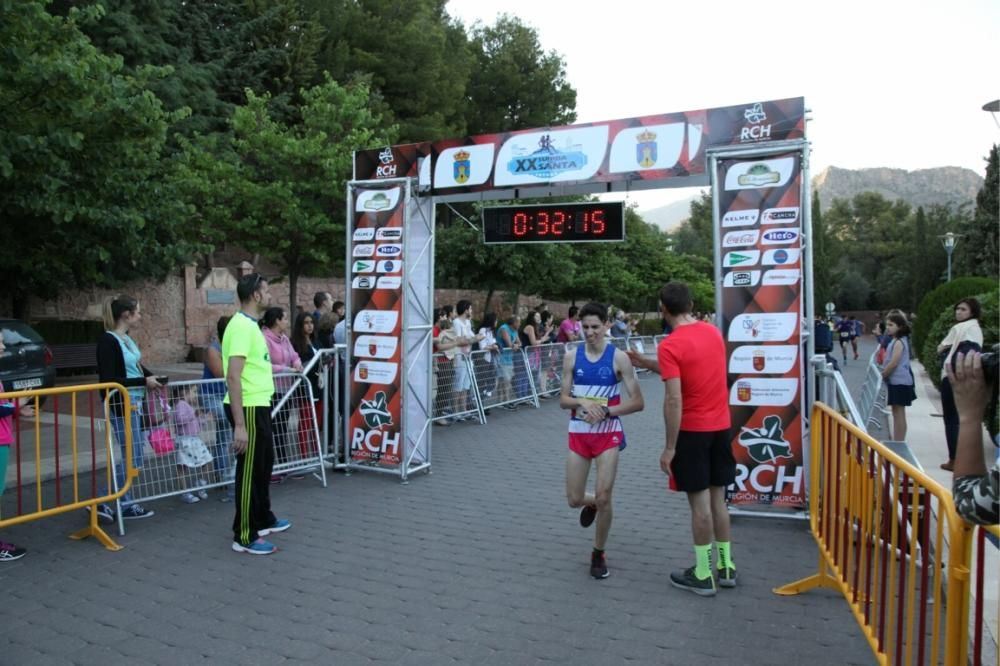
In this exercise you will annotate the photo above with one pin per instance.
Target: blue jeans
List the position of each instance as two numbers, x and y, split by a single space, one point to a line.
222 450
138 444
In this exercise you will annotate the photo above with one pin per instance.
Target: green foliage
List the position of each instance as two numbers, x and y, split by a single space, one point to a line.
942 300
514 84
989 322
278 189
86 197
823 291
694 236
977 251
411 53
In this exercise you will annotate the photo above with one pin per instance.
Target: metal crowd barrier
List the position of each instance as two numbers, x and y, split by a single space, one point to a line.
547 360
868 402
892 543
831 389
184 444
450 403
59 460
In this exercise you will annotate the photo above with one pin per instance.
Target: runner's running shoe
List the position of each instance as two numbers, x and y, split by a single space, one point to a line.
587 515
599 565
686 580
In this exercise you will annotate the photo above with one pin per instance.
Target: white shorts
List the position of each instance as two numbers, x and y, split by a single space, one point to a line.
463 380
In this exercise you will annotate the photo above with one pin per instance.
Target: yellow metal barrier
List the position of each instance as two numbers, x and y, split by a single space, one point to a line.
891 542
55 489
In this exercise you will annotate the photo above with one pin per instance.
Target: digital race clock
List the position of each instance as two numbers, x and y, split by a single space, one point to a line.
555 223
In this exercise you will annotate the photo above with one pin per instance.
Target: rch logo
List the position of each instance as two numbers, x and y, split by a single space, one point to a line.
757 132
388 168
767 443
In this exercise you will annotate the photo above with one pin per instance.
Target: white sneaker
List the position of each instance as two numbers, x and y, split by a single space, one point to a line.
189 498
202 494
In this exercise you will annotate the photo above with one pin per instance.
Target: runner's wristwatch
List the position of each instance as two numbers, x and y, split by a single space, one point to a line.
607 412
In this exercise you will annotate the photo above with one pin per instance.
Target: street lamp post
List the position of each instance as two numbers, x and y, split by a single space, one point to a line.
949 240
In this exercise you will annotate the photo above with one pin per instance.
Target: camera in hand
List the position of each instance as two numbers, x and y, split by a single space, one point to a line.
990 360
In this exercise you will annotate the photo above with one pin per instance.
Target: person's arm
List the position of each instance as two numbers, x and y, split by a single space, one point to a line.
635 402
235 387
213 360
673 406
588 410
296 360
976 491
529 330
971 397
948 340
897 356
640 360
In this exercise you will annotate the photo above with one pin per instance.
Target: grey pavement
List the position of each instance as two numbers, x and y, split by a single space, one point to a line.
479 562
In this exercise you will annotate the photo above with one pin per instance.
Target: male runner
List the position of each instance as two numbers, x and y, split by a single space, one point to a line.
591 375
845 334
697 457
247 368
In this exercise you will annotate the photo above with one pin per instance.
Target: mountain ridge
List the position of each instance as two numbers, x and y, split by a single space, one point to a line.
918 187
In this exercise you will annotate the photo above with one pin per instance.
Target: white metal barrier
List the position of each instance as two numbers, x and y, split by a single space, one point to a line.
455 390
871 394
183 447
832 390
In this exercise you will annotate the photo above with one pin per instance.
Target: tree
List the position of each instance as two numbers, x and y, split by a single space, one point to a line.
514 83
821 242
278 189
694 236
414 57
978 252
86 198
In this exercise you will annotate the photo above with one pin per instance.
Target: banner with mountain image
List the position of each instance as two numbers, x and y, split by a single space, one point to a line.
760 277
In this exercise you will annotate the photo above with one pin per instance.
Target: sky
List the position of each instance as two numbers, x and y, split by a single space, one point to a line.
887 83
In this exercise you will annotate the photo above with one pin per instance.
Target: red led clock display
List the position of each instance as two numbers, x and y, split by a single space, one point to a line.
555 223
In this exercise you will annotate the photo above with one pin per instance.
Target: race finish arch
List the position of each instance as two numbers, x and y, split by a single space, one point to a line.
755 158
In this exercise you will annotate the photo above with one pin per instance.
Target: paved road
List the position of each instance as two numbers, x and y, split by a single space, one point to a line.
480 562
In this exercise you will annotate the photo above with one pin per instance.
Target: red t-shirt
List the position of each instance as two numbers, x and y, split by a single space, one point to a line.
696 354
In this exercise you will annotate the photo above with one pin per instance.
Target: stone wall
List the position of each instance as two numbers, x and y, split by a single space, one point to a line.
179 313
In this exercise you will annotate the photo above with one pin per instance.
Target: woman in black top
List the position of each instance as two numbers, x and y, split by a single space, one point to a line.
119 361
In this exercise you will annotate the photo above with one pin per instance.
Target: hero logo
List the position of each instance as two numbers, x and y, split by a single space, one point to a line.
755 131
389 250
740 218
780 237
388 167
781 216
740 238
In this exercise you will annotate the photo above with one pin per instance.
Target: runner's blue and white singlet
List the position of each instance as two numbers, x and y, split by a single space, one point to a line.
597 382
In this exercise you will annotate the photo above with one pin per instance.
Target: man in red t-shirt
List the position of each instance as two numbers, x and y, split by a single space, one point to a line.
697 457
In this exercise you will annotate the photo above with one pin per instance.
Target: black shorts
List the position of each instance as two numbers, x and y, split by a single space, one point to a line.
702 459
901 395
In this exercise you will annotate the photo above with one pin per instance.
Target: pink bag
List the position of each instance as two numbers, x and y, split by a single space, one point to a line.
161 441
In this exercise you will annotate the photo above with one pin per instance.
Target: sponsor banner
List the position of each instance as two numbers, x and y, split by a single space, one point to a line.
374 201
758 359
741 279
740 218
387 234
376 321
740 258
764 327
374 427
648 150
375 346
551 156
363 282
764 392
389 266
464 166
759 174
781 276
393 282
785 215
783 257
780 237
762 324
375 372
649 147
740 238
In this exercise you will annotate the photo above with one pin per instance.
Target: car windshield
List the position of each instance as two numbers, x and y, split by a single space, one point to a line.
18 333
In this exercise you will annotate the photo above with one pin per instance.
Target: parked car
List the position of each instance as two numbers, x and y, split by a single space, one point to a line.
26 361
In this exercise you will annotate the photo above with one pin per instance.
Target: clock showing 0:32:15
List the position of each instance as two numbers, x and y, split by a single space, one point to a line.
555 223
